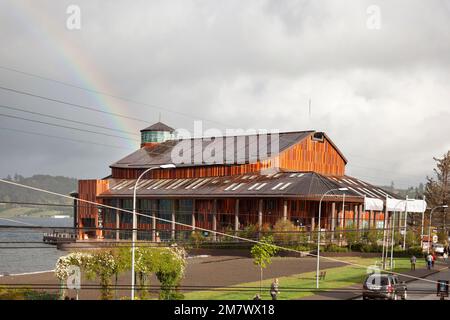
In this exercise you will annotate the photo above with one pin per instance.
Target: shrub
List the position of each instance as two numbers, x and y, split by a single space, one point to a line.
373 236
356 246
26 294
412 238
302 238
369 248
416 251
197 238
284 232
352 239
335 248
303 248
250 232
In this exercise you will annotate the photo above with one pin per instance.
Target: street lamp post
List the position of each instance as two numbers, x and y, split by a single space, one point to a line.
393 229
429 224
318 233
134 237
406 224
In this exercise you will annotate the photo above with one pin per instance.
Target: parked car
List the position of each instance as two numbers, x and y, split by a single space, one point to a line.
384 286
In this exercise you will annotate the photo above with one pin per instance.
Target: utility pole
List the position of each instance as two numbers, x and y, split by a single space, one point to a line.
406 222
384 234
423 217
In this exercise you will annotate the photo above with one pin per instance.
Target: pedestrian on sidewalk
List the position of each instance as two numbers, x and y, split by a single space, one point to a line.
433 256
429 261
413 263
274 291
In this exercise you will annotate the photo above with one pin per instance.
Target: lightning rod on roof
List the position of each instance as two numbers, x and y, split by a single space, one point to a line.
310 108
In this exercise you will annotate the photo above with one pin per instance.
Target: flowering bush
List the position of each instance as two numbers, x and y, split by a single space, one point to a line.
102 265
167 263
64 263
170 271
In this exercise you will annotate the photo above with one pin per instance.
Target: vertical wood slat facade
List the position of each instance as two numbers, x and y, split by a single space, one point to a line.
89 190
306 155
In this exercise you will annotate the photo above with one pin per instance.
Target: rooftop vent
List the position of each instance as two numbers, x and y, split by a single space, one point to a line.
318 136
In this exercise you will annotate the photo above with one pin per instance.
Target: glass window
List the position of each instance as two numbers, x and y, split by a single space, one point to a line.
109 215
145 207
126 217
155 136
165 211
184 212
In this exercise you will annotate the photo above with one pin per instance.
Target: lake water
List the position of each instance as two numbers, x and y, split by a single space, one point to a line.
17 252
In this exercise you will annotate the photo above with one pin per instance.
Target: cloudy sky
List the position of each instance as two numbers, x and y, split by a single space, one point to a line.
377 74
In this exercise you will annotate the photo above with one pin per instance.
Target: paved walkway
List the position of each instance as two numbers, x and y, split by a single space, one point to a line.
354 292
206 272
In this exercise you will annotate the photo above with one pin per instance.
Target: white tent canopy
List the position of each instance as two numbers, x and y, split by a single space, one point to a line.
373 204
400 205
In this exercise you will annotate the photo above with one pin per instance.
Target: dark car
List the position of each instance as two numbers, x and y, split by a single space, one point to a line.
384 286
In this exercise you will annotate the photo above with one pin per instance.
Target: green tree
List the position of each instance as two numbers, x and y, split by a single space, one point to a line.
373 236
262 254
102 266
413 237
443 237
437 189
122 258
351 237
170 264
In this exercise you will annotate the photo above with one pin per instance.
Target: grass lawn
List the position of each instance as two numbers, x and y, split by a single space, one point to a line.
301 285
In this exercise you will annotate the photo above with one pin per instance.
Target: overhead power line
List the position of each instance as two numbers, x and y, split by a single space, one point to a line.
73 104
66 139
202 229
65 119
66 127
67 84
110 113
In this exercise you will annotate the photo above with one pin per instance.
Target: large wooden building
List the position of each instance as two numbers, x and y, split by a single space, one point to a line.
248 187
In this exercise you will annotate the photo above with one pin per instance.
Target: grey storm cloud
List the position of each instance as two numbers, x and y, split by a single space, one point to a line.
382 95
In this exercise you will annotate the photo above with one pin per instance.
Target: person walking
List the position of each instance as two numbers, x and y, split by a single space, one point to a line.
274 291
433 259
429 261
413 263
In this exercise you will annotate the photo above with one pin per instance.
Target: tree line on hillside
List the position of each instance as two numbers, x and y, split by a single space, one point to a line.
59 184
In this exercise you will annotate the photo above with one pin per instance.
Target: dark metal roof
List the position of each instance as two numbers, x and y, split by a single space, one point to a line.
282 184
159 126
250 153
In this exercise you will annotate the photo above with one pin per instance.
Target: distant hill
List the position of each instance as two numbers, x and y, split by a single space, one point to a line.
411 192
59 184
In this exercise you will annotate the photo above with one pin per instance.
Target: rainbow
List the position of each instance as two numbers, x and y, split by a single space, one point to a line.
72 58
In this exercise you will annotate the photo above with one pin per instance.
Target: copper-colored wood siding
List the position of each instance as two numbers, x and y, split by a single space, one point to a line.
89 190
307 155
